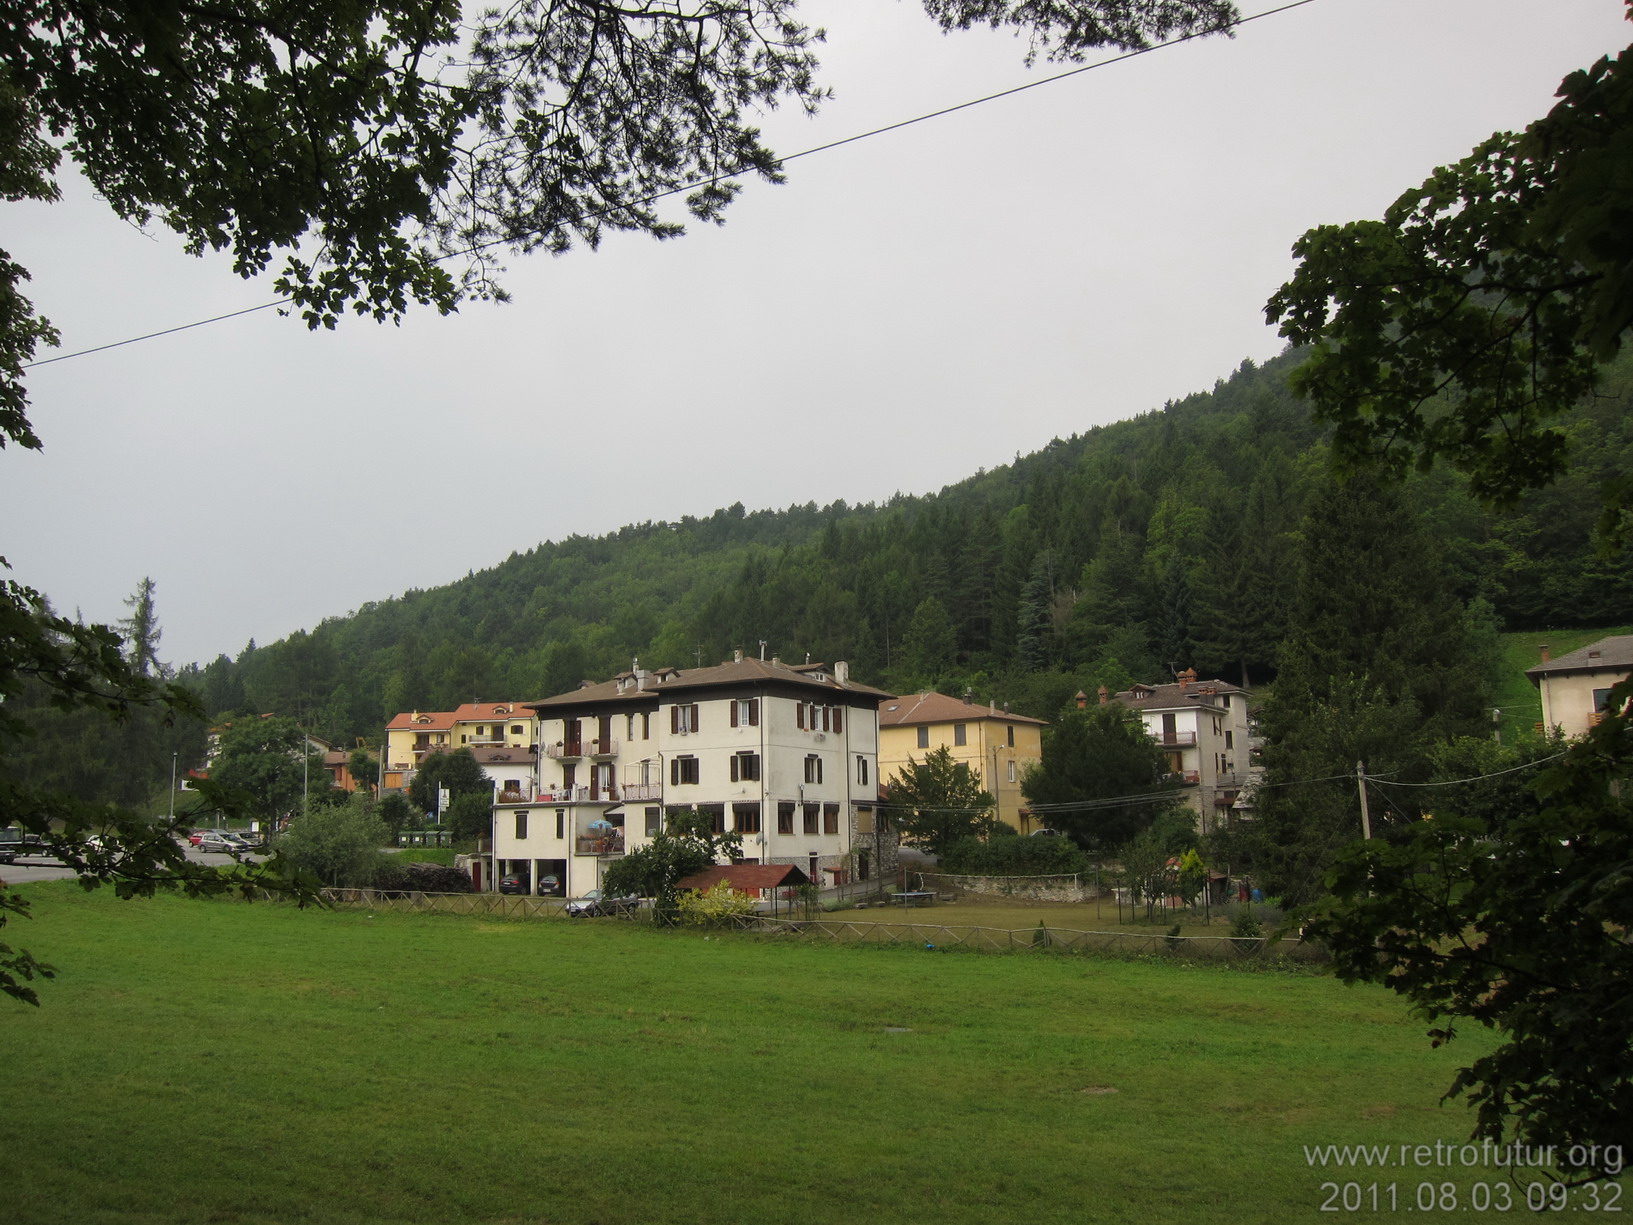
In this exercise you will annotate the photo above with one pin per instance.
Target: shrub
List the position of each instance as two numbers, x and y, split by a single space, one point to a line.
422 877
714 907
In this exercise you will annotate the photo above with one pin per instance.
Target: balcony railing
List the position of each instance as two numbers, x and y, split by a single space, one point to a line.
1177 740
643 791
600 844
583 748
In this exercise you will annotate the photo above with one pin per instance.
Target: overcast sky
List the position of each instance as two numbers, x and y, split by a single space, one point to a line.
903 312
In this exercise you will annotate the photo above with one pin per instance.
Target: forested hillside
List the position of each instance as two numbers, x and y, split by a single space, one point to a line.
1164 541
1173 539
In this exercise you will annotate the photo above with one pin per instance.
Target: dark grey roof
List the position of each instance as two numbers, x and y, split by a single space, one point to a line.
1613 654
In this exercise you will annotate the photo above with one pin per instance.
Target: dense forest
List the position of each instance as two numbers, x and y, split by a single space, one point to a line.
1135 549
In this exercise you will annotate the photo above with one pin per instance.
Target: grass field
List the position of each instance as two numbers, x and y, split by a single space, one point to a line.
224 1062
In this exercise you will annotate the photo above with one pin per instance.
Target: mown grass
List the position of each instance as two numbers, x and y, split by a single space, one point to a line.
254 1064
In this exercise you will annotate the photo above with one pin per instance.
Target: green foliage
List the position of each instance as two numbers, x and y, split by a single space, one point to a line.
1510 908
1478 311
1381 665
457 771
1013 856
470 816
421 877
339 845
272 763
717 906
396 813
938 801
686 845
1102 776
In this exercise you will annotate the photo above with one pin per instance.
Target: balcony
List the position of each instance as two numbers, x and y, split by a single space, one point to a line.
611 843
1176 740
1189 777
607 747
643 791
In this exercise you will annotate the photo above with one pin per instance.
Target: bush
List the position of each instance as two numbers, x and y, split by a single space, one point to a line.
1002 856
714 907
340 845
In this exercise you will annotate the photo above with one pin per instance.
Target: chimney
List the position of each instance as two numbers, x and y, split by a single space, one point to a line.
1105 695
969 696
1083 698
1185 679
737 656
1545 652
842 671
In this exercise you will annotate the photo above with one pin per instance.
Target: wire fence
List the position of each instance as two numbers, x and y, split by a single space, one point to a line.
1038 939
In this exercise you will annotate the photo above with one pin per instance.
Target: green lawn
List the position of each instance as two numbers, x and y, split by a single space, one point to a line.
222 1062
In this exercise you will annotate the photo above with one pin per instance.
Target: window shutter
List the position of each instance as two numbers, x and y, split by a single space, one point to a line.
734 767
734 714
674 718
799 714
674 771
839 718
754 712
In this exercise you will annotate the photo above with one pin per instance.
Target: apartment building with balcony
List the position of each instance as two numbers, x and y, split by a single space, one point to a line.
493 731
1203 727
784 755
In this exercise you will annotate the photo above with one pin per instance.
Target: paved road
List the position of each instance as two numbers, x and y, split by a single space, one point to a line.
26 871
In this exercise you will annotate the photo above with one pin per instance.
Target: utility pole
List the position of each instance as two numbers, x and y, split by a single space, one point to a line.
1361 786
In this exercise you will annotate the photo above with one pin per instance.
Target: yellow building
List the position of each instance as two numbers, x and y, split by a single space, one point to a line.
475 726
997 745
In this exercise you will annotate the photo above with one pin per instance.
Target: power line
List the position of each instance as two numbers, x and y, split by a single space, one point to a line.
675 191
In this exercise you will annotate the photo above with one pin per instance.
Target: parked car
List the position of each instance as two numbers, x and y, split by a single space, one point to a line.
595 903
516 882
549 886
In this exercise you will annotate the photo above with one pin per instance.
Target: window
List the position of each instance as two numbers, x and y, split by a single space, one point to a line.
683 771
1011 771
745 712
961 733
862 771
812 811
561 822
1010 732
515 729
717 816
924 737
785 818
646 725
683 717
745 767
654 822
813 768
521 825
1229 736
830 818
629 727
746 817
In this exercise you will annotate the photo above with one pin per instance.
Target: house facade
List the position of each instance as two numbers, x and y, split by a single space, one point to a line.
1576 687
477 726
784 755
995 744
1202 726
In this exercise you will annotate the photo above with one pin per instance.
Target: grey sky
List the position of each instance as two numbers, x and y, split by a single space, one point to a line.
903 312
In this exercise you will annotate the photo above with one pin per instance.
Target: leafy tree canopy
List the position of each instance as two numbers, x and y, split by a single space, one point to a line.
685 845
1102 777
456 771
1510 907
272 762
938 801
1482 305
339 844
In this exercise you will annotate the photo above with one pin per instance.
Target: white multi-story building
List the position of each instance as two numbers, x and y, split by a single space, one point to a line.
1202 725
784 755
